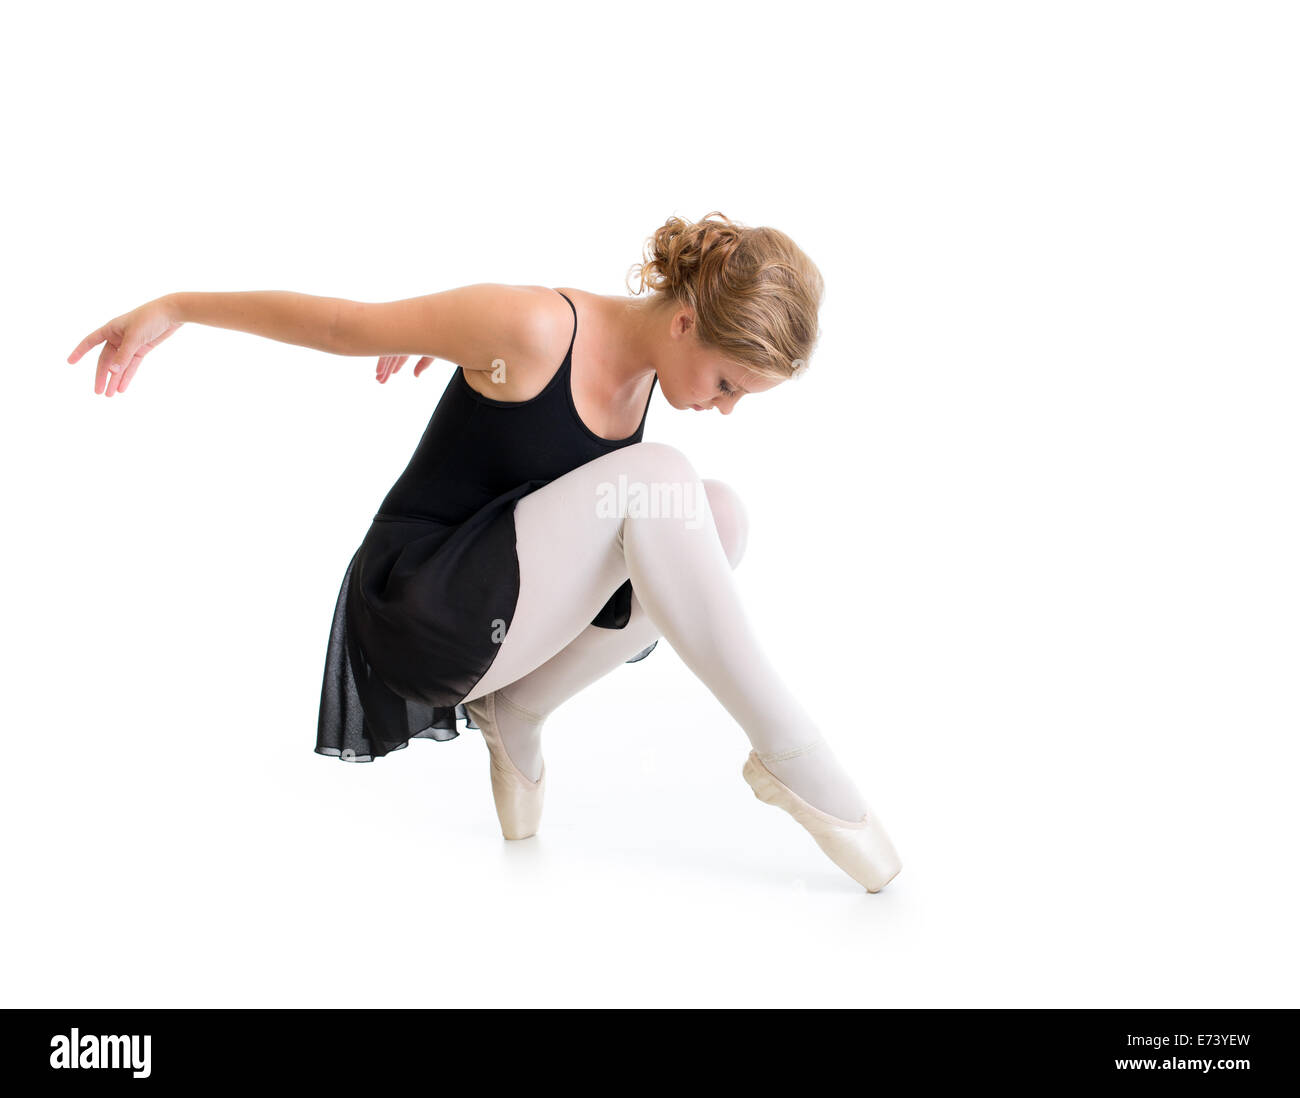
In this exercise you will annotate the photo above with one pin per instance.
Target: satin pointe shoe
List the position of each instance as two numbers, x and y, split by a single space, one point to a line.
518 799
859 847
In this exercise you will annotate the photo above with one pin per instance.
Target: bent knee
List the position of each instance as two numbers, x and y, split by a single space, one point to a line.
730 517
658 459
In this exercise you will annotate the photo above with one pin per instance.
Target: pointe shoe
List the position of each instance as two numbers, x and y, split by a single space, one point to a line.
518 799
859 847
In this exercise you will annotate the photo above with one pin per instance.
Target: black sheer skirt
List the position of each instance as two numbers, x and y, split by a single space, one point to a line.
418 621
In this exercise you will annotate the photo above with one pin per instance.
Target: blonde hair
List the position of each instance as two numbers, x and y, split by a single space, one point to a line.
755 294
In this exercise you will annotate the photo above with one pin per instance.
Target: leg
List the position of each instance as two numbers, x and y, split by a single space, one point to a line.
523 706
579 539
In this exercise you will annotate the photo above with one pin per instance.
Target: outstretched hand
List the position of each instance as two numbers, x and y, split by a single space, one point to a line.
390 364
126 339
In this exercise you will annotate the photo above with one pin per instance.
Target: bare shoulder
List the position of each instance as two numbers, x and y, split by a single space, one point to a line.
550 320
502 321
541 325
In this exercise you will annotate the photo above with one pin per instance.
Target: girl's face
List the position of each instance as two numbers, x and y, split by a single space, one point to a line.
692 376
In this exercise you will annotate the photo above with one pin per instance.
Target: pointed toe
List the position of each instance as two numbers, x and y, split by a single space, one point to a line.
861 848
518 799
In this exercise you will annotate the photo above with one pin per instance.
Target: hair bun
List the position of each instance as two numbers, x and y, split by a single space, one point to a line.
682 253
754 293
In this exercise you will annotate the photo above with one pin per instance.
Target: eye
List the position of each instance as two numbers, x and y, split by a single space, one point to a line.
724 388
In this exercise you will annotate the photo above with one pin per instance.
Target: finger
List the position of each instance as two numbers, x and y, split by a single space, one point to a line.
95 337
129 373
112 361
102 372
117 381
115 371
423 364
123 353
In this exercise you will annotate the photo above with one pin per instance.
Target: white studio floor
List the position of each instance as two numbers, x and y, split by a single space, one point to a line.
283 878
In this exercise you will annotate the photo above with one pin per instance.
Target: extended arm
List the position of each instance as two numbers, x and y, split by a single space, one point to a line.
282 315
470 326
476 326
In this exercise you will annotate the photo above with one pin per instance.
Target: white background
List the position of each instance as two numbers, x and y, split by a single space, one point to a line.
1023 541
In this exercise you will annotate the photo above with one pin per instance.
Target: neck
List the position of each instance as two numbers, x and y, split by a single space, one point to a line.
632 327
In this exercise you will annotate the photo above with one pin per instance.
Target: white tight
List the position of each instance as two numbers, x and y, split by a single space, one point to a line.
578 539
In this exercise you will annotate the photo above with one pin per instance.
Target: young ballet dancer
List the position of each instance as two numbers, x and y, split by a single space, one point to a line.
535 542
